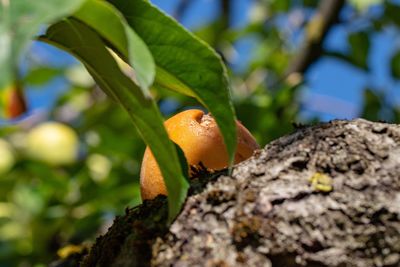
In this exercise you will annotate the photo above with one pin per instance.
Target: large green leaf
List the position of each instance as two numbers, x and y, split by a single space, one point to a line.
111 25
184 63
79 40
20 20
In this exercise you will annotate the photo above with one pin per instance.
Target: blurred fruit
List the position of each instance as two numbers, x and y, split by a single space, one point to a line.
53 143
99 167
15 104
199 137
7 158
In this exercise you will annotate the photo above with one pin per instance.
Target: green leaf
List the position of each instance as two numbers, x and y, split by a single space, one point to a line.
280 5
79 40
392 11
111 25
395 65
20 20
373 104
363 5
347 58
359 51
360 44
41 75
184 63
183 162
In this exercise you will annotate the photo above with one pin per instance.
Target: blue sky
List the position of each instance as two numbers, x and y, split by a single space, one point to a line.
334 88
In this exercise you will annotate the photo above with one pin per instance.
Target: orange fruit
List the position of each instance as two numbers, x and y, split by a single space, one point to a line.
198 136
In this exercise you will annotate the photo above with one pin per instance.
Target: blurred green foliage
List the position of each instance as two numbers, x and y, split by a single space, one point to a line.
43 208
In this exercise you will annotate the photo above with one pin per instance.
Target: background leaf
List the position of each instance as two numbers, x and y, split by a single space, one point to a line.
360 44
357 55
41 75
184 63
20 20
392 10
395 65
363 5
111 25
373 103
81 41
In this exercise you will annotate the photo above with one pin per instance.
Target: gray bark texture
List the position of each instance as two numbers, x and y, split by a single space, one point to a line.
326 195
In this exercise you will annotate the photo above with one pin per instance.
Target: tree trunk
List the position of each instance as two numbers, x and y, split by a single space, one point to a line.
327 195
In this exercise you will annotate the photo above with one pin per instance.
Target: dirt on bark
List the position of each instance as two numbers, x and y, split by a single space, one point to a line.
327 195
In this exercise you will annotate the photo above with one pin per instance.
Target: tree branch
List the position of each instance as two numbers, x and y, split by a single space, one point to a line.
316 32
226 13
181 9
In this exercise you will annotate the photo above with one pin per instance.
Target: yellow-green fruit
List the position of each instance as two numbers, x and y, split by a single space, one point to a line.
7 157
53 143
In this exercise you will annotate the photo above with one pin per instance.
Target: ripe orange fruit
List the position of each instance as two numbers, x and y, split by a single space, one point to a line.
197 134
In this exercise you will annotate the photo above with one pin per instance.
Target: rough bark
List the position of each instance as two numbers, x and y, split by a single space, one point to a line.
327 195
